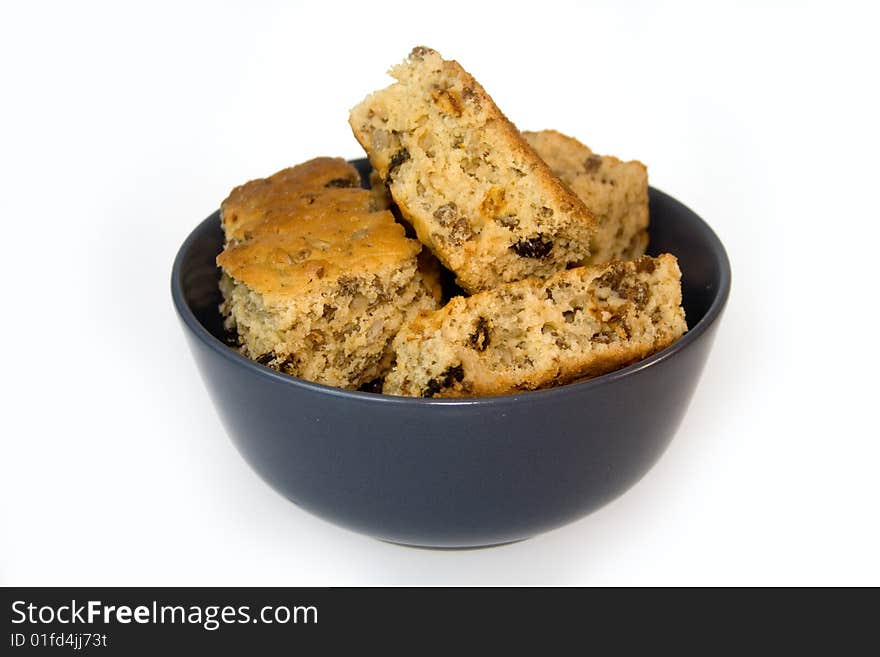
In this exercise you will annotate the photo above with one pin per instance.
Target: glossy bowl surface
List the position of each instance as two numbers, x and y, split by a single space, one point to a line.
462 472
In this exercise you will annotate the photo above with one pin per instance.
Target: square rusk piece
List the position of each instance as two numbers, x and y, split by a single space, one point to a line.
316 281
537 333
476 193
616 192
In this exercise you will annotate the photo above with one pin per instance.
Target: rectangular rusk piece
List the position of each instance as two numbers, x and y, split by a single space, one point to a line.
316 281
464 177
537 333
616 192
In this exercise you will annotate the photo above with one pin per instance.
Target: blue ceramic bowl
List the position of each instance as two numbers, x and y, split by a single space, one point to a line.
457 472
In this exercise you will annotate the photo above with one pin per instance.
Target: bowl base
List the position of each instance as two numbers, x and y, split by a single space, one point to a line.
454 548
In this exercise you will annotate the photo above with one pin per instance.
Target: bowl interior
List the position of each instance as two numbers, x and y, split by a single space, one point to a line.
674 229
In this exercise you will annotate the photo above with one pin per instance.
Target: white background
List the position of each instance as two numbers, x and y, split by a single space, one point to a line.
124 126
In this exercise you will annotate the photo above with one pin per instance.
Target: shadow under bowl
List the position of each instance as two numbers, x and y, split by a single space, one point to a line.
457 473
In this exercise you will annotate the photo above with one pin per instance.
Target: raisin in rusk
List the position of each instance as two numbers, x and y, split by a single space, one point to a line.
463 176
537 333
316 280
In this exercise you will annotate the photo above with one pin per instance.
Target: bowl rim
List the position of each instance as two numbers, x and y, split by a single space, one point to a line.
692 335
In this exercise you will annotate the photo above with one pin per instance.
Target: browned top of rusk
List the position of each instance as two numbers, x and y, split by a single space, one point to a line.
255 201
304 226
294 255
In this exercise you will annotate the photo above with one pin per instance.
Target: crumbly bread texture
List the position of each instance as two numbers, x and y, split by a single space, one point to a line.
616 192
536 333
463 176
316 283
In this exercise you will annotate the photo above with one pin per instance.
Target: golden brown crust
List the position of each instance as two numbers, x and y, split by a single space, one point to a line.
255 201
305 226
302 250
